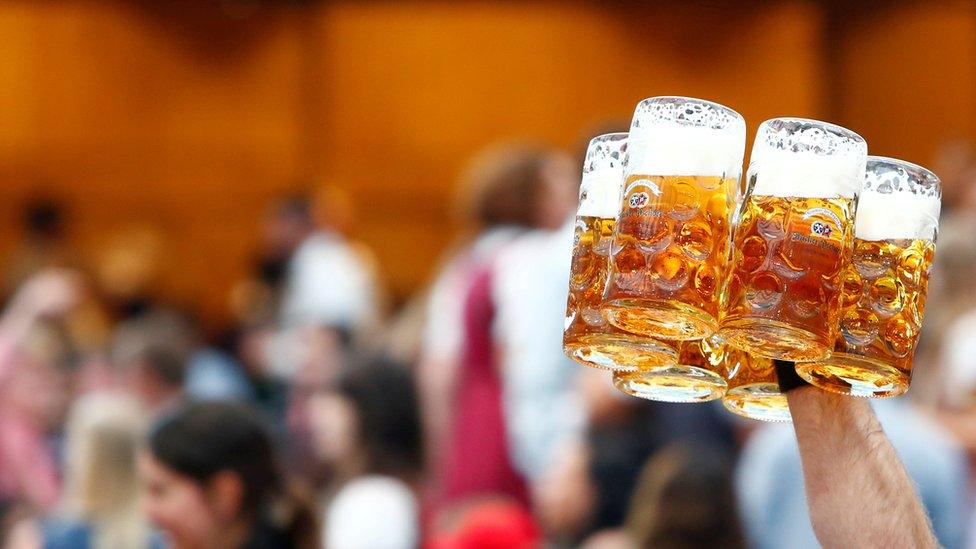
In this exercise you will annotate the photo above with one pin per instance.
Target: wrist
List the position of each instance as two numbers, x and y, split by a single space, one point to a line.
787 377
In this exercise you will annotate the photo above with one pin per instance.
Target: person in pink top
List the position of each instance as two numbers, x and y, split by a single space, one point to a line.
32 389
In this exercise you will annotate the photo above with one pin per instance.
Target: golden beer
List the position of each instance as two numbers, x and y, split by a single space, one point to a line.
696 375
884 287
670 254
588 337
784 291
884 300
792 240
753 390
670 248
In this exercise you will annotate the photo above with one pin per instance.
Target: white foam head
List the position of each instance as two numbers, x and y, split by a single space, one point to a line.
796 157
686 136
603 176
899 200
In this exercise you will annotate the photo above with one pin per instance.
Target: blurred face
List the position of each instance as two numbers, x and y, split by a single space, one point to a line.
179 506
284 231
333 422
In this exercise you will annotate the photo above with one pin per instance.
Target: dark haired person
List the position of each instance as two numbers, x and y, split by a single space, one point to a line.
212 480
367 428
684 499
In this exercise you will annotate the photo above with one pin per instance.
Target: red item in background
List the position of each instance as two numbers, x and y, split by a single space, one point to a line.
491 525
478 461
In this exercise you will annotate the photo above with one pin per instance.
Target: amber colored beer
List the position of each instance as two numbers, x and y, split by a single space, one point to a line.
753 387
696 376
783 296
884 291
670 254
588 337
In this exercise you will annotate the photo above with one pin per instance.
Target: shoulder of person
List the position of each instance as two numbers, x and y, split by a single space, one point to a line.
374 489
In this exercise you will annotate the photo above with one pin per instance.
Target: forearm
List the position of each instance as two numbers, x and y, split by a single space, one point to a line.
858 490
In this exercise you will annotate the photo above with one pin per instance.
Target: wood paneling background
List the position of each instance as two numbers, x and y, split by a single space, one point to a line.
189 117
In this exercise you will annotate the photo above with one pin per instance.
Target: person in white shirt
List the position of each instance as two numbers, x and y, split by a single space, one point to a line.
499 198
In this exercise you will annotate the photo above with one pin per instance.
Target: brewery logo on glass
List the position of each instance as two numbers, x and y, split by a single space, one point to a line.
822 228
817 231
638 200
641 208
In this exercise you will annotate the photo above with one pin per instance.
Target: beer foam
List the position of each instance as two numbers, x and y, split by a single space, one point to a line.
805 174
674 149
899 200
896 216
797 157
603 176
600 193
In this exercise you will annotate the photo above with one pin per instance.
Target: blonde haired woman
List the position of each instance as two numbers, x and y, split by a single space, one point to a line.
100 507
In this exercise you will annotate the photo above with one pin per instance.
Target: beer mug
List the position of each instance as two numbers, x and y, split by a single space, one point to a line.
588 337
792 240
885 284
753 389
701 360
671 244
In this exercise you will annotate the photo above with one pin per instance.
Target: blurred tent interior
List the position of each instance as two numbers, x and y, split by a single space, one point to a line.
143 118
323 248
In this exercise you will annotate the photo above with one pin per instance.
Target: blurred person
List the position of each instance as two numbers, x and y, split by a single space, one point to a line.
957 393
150 356
35 385
565 498
477 459
529 280
159 356
285 226
403 338
330 281
684 500
955 162
101 503
623 433
367 428
33 401
495 203
770 487
252 347
944 344
212 480
320 355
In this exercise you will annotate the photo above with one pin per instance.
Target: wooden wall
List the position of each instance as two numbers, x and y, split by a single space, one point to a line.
188 118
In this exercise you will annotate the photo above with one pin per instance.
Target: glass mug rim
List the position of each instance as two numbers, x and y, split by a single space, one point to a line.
735 118
898 200
602 178
922 173
837 131
619 141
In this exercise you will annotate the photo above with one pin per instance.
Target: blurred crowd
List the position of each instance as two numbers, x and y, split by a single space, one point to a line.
320 417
